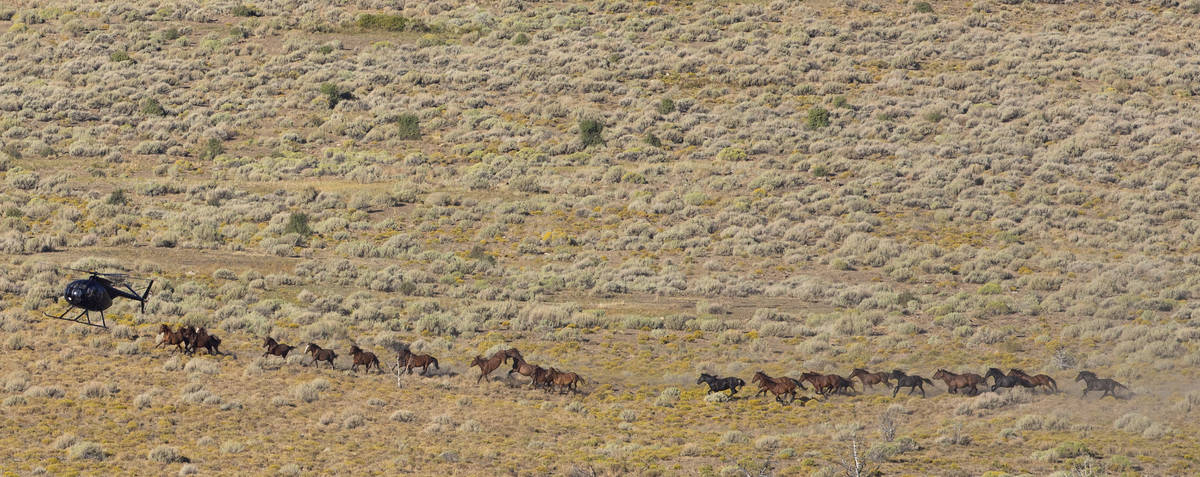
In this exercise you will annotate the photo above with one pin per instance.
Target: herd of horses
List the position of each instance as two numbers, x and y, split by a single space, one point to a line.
188 339
966 383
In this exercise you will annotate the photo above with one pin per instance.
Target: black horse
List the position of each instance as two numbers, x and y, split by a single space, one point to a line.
1094 383
999 380
716 384
913 382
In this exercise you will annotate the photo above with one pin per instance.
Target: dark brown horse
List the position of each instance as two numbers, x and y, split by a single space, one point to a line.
363 358
1095 383
201 339
511 353
168 337
542 377
274 348
911 382
956 382
525 369
411 360
870 379
1039 380
999 380
781 386
320 354
486 366
825 384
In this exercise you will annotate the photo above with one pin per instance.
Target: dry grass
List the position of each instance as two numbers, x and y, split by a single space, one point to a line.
637 192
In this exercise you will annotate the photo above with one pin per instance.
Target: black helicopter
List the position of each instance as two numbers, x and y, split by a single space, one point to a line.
96 293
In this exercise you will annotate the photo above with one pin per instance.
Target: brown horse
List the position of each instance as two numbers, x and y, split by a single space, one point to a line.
1039 380
411 360
781 386
1095 383
363 358
542 377
566 381
486 366
320 354
825 384
201 339
955 382
511 353
525 369
168 337
870 379
274 348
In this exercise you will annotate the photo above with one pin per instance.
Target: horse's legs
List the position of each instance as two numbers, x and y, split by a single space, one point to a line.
922 389
102 320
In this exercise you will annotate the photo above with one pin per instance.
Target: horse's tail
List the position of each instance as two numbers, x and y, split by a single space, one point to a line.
435 364
798 383
1053 383
927 381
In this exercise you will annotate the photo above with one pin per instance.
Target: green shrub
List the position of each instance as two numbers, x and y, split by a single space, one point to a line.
298 224
653 140
410 127
818 118
152 107
246 11
325 49
334 94
922 7
839 101
521 39
666 106
732 154
117 197
119 56
383 22
170 34
589 132
211 149
819 170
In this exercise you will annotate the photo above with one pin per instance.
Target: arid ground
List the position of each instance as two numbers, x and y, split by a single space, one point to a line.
634 191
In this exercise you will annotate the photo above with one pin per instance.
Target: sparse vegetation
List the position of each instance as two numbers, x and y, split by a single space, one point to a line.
785 186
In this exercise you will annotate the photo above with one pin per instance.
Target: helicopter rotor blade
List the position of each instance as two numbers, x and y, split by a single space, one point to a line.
118 276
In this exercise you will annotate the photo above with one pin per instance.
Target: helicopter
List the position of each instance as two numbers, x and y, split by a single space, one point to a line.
96 293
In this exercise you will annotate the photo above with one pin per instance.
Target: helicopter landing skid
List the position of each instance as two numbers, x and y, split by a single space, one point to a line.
85 315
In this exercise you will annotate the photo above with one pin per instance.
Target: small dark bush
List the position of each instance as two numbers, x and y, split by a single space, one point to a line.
298 224
653 140
152 107
666 106
410 126
818 117
334 95
589 132
117 197
382 22
211 149
246 11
